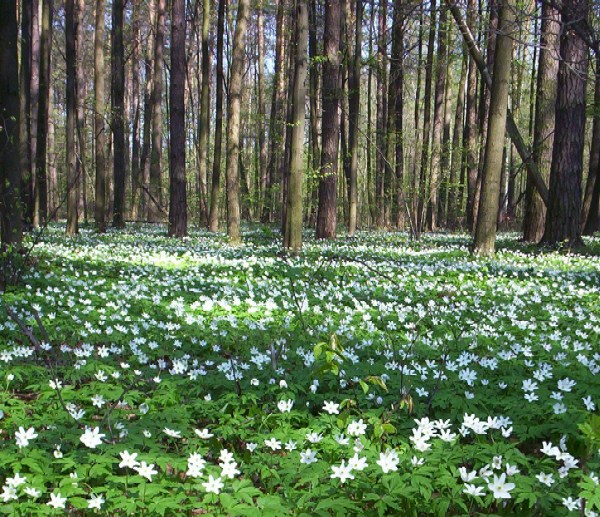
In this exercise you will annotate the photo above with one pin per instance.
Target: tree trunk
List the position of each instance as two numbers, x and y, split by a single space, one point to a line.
155 190
26 187
40 213
118 112
353 118
293 226
204 121
314 80
327 210
11 231
136 176
71 34
591 209
99 129
485 231
177 180
381 137
543 134
213 218
262 141
233 125
563 217
397 76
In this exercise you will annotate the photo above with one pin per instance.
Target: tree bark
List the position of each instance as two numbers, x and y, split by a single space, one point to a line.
233 125
25 67
485 231
397 76
71 33
11 231
543 133
136 176
262 141
213 218
293 226
591 209
118 112
204 121
99 128
177 180
327 210
381 137
563 217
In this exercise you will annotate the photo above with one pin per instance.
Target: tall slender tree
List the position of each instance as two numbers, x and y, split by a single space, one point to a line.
485 231
72 28
397 76
204 120
118 112
327 209
99 127
11 232
563 217
233 125
591 212
177 181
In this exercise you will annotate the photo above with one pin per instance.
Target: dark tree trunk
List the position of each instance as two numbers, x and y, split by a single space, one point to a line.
591 212
177 181
397 76
118 111
327 210
72 29
136 176
11 231
381 137
80 130
471 127
204 121
26 187
563 217
213 218
99 128
543 133
314 80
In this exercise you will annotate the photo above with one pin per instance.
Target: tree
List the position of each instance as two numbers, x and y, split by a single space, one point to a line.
563 217
118 112
591 212
326 214
71 34
485 231
233 125
293 226
178 199
213 217
204 121
11 232
353 118
99 129
543 133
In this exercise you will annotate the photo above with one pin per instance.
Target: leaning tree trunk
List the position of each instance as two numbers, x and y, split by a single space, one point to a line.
233 125
327 210
177 182
293 223
485 231
563 217
213 218
11 232
118 112
543 135
72 28
99 129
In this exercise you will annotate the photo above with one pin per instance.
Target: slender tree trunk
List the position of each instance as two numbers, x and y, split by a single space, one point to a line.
381 116
34 102
26 187
471 126
177 180
485 231
204 121
80 125
233 125
118 112
354 113
456 186
11 230
213 219
262 141
543 135
293 227
369 150
397 76
591 209
72 28
563 217
327 210
155 192
136 176
314 80
40 188
99 129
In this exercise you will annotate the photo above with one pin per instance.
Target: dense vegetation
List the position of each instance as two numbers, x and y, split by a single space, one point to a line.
371 376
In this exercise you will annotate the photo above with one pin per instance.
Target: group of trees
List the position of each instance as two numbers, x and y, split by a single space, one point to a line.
376 113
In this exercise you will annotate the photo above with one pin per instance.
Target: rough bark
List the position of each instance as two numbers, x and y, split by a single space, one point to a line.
204 121
99 129
136 176
397 76
72 29
485 230
26 187
327 210
353 118
591 209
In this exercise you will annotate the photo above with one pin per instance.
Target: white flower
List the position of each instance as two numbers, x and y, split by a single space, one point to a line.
144 408
388 461
291 445
8 493
466 476
314 437
571 504
307 457
357 463
16 480
22 436
57 501
331 407
128 460
205 434
473 490
273 444
146 470
546 479
32 492
196 465
95 501
92 437
356 428
229 470
285 406
251 446
343 472
213 485
172 433
98 401
500 488
589 403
